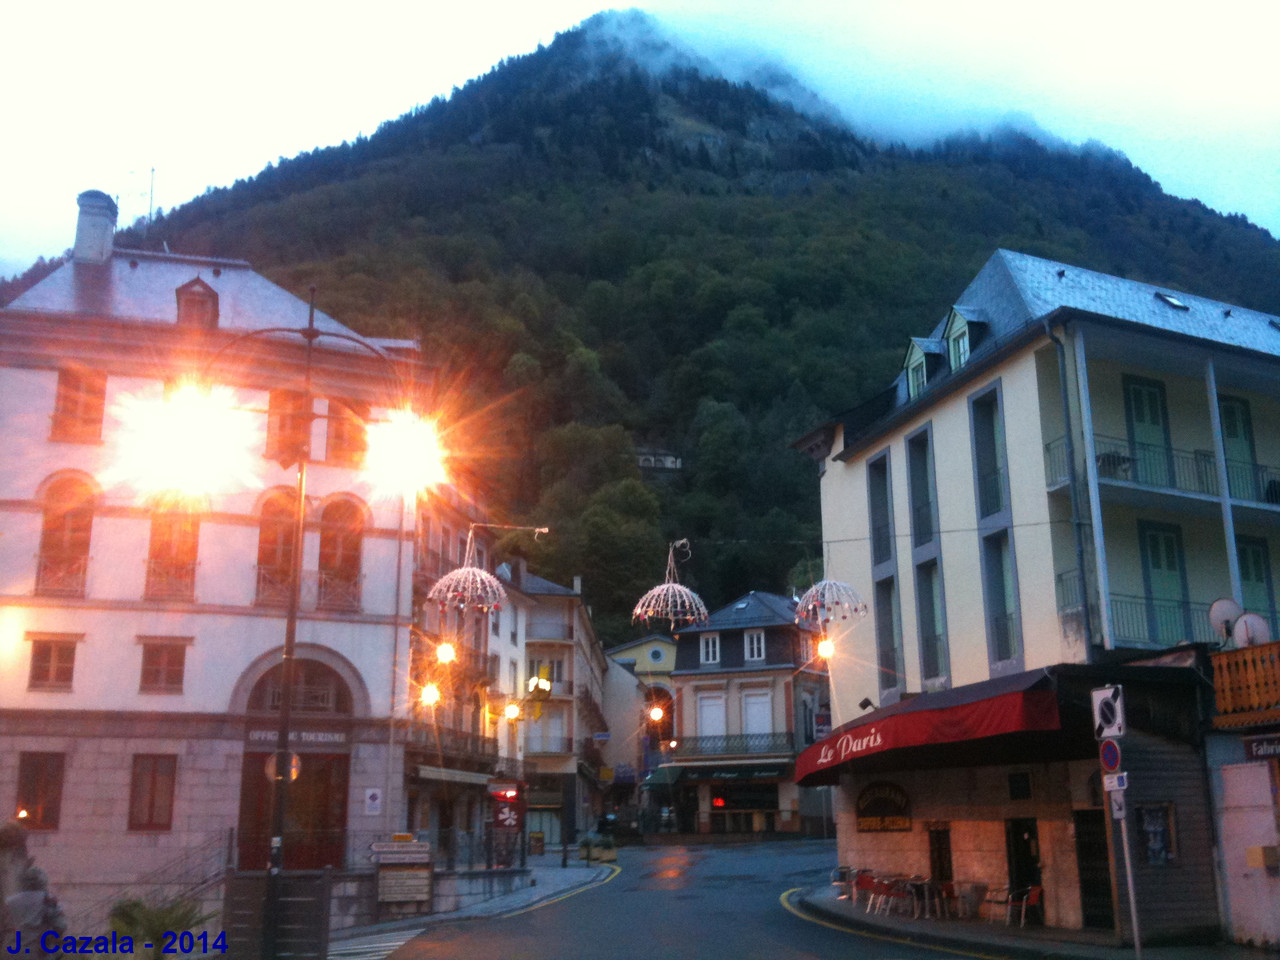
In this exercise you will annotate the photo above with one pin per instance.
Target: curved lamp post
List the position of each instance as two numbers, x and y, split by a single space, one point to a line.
402 429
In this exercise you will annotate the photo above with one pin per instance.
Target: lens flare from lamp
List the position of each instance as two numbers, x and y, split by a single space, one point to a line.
404 454
186 446
655 714
445 653
430 695
512 711
826 649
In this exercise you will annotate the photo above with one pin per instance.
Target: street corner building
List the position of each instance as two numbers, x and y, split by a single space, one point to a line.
141 640
1073 484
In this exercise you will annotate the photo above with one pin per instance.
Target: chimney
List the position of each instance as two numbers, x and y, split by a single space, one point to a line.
577 583
95 228
518 571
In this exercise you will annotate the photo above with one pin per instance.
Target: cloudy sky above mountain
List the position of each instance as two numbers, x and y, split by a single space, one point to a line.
102 94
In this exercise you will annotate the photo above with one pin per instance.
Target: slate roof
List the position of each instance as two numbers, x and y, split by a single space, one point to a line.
534 585
1014 293
756 609
137 285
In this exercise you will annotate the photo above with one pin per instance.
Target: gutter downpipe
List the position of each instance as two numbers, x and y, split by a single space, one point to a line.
1077 525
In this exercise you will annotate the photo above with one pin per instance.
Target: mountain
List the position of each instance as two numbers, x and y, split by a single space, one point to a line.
607 245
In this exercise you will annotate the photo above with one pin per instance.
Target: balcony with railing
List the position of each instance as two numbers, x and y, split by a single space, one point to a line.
881 542
535 744
922 523
1006 635
737 745
1142 622
320 590
447 747
1246 685
171 580
61 576
992 493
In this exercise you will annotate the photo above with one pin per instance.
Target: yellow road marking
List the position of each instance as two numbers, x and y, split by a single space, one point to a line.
572 893
792 908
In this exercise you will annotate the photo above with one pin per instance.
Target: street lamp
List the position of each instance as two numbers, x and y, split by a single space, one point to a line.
169 452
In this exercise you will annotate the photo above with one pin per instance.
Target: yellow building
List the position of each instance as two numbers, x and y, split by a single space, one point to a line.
1067 472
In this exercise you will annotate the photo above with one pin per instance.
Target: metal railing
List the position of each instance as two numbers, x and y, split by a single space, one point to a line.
992 493
449 743
748 744
1247 681
922 523
61 576
1154 623
171 580
933 646
1006 635
307 698
319 590
1156 465
881 542
540 745
1056 468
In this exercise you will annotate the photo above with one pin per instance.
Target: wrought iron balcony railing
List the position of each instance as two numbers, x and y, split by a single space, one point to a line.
1155 623
61 576
448 744
881 542
171 580
992 493
741 744
535 744
1246 685
320 590
1006 635
922 523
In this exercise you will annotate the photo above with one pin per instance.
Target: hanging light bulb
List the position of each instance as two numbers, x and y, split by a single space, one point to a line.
469 585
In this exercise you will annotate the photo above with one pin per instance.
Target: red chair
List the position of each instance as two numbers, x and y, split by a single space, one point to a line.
1031 898
863 885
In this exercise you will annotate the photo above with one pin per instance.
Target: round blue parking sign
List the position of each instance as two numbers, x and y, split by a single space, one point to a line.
1109 754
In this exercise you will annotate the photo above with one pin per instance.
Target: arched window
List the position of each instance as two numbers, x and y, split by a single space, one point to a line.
171 560
317 689
341 540
275 549
64 538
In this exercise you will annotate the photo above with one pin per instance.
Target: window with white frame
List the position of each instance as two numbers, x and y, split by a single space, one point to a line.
958 347
754 645
915 379
710 648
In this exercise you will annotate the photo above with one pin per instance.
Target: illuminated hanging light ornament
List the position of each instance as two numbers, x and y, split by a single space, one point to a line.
827 601
469 585
671 601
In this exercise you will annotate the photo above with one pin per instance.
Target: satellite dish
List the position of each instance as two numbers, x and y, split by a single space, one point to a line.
1222 616
1251 630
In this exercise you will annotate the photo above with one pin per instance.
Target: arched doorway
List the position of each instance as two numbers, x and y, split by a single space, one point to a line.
316 812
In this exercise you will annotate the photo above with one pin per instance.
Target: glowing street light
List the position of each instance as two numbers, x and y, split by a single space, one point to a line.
512 711
826 648
656 714
446 653
430 695
194 442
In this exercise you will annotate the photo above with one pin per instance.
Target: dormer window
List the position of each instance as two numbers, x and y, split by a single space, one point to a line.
916 378
958 348
197 305
958 339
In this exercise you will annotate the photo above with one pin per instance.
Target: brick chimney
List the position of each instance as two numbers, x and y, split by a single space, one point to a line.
95 228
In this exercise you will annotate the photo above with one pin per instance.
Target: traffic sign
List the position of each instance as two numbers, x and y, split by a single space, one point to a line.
1115 782
1117 804
1109 754
1108 712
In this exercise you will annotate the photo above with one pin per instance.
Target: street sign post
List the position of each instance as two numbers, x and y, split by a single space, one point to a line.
1108 712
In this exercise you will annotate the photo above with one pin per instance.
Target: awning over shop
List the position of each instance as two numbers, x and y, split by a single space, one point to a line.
1018 704
662 777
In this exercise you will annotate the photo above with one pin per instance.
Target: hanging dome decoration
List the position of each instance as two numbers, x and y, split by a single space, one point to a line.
671 601
469 585
829 600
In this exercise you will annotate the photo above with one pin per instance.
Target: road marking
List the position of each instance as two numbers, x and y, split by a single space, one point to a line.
565 896
786 900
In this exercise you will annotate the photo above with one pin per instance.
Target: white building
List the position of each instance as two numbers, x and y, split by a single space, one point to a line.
140 647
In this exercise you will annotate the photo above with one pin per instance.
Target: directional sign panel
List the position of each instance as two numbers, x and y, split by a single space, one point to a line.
1117 804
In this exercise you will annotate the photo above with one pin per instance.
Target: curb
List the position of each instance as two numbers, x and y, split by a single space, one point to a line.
985 948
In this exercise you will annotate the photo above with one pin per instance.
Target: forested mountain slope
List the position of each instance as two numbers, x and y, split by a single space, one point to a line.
601 252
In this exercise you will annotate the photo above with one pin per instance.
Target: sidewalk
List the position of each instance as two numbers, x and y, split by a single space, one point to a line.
998 940
550 882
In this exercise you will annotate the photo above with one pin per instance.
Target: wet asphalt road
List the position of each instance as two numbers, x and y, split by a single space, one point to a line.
681 903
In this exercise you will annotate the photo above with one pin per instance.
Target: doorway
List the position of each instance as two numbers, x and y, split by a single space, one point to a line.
1022 846
1094 867
316 815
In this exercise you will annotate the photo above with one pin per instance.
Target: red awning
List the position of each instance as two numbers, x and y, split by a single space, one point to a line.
1022 703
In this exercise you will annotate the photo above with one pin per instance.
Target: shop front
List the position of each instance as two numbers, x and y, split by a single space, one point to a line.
747 798
999 784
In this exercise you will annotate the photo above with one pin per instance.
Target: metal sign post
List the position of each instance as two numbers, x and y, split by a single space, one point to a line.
1108 727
